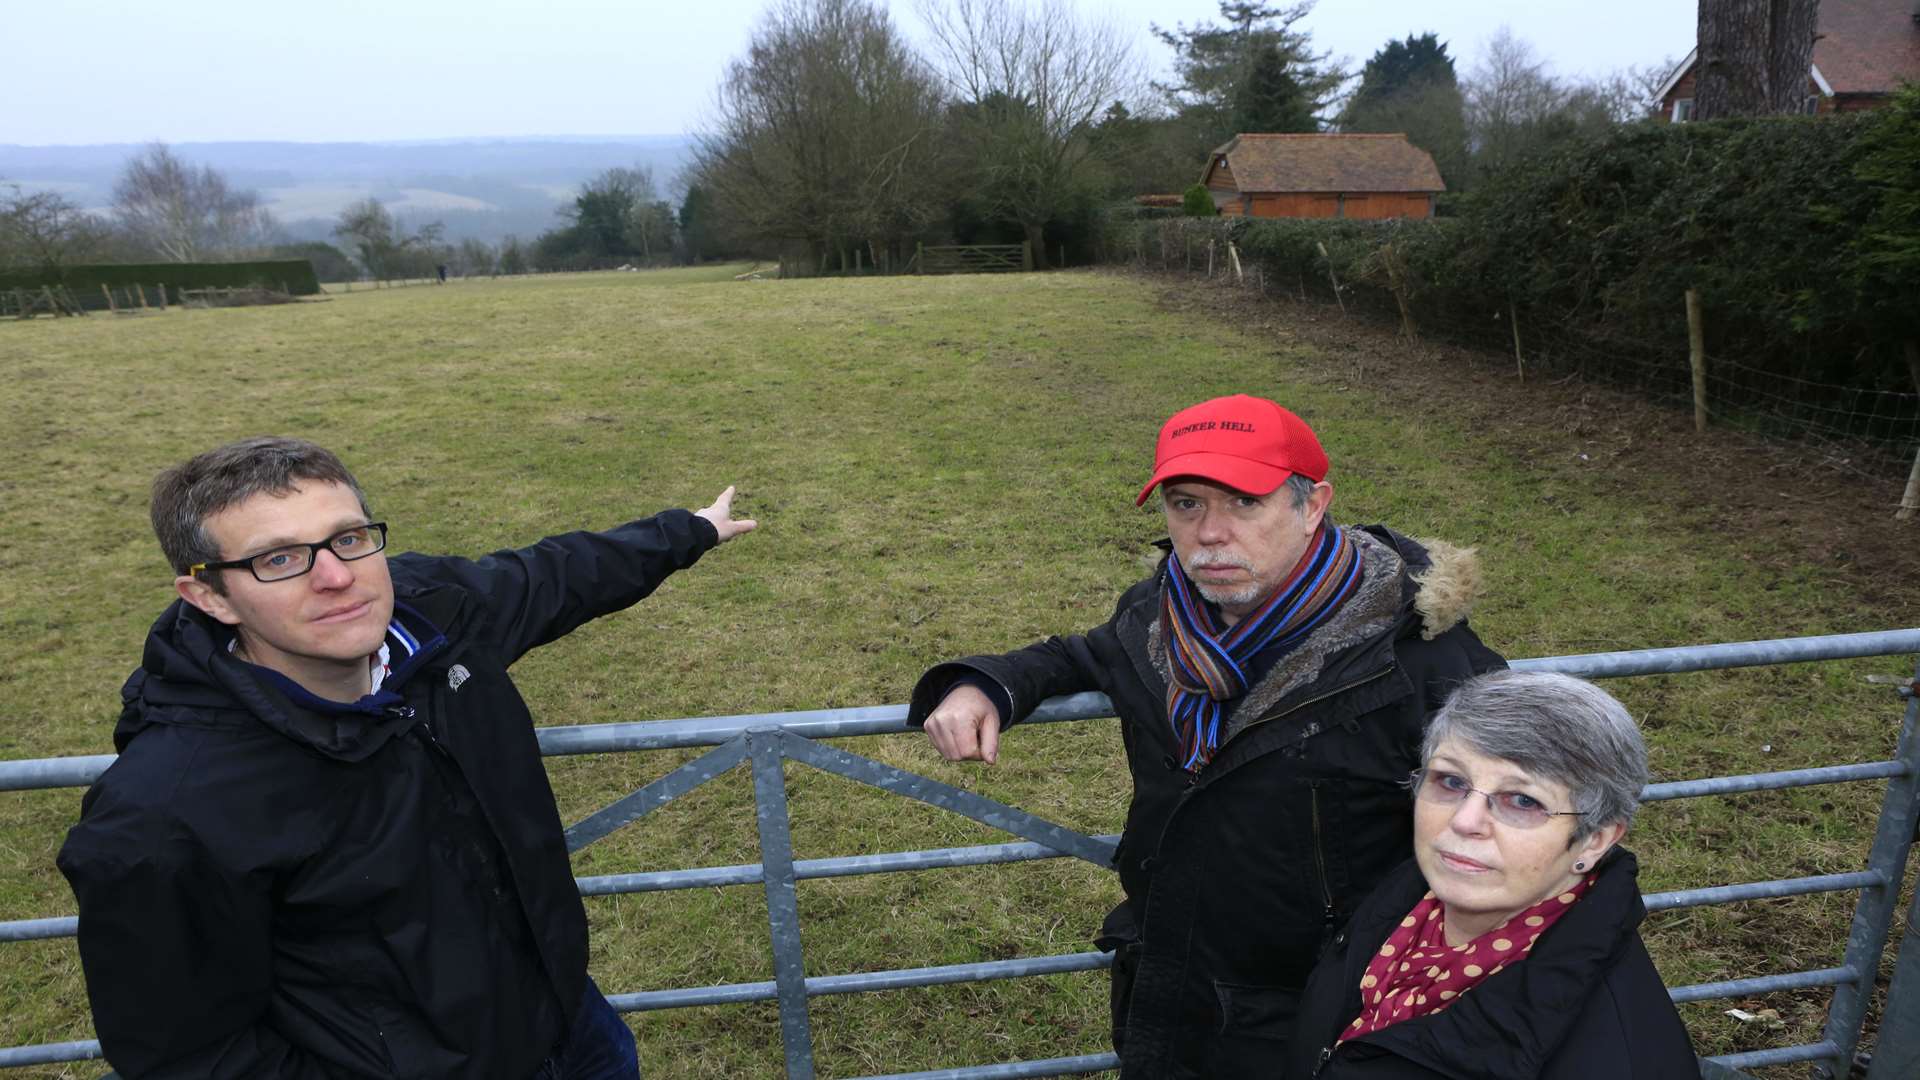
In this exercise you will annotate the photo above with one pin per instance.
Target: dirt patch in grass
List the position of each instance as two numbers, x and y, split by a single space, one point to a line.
1782 505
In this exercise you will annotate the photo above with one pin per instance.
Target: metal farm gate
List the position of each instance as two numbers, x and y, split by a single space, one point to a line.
763 743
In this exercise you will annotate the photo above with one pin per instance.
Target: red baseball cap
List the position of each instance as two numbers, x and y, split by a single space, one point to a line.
1247 443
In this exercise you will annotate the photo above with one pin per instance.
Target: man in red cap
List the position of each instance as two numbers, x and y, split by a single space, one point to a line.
1273 677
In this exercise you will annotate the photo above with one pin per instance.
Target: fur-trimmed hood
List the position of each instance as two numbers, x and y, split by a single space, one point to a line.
1447 587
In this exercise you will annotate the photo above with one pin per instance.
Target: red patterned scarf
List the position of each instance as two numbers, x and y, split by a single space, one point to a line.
1416 972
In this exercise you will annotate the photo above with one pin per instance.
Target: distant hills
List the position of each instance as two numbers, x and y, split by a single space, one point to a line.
484 188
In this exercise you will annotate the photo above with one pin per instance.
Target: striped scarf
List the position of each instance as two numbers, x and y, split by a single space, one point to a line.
1210 662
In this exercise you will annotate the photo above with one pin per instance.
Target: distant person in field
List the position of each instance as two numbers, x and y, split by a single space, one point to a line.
1273 677
1508 947
328 847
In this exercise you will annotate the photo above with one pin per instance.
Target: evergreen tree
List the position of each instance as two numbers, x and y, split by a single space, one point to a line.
1216 63
1411 87
1271 99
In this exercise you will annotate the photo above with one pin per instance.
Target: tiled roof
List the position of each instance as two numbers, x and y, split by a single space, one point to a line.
1867 46
1328 163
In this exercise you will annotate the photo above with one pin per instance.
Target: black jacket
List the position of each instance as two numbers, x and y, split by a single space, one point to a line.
1586 1003
272 888
1236 876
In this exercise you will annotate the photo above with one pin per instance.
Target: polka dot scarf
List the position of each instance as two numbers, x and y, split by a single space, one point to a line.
1416 972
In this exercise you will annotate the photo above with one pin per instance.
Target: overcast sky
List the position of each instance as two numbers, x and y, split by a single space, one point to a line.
376 70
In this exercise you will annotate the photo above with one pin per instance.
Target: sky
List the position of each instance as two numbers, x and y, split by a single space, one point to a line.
392 70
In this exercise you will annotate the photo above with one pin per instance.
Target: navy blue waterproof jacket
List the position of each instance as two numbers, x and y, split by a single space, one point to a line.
270 889
1237 876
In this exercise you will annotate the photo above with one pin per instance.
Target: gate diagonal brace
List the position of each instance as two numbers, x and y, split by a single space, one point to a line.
631 808
947 797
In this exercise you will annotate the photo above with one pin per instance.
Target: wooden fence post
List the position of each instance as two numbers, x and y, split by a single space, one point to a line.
108 293
1331 277
162 290
141 292
1697 356
1519 361
1910 501
1026 255
1397 277
1209 256
20 302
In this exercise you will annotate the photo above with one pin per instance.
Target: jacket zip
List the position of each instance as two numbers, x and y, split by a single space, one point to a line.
1319 854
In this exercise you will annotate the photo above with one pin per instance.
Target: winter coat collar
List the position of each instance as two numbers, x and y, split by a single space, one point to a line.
189 678
1510 1026
1428 585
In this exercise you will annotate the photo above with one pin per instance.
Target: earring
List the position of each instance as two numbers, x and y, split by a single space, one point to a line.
1579 868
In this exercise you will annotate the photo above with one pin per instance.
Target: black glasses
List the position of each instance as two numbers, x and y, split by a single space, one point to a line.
1515 808
293 560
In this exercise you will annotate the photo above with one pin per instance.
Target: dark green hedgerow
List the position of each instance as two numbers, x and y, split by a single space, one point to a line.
294 275
1801 234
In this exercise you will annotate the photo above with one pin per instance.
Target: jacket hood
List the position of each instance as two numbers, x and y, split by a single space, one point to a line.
188 678
1446 580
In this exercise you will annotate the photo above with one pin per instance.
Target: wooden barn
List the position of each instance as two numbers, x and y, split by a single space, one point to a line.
1863 51
1323 176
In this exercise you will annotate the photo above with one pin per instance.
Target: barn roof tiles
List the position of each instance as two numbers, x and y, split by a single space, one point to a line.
1328 163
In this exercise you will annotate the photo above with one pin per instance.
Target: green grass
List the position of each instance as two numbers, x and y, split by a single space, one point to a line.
940 466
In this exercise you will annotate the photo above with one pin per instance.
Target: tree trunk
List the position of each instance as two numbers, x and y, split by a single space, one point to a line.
1756 57
1037 242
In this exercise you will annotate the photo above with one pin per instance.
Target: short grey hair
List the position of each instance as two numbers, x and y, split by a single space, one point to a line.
1300 488
189 493
1558 728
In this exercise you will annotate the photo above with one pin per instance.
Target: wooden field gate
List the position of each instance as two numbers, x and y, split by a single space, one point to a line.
973 258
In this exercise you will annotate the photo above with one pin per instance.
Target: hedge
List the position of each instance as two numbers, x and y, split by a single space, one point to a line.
1802 235
295 275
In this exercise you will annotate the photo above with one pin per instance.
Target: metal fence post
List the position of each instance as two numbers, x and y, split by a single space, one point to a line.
1867 937
783 906
1896 1052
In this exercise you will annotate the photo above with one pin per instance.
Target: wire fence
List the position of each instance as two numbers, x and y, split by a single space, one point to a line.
1871 429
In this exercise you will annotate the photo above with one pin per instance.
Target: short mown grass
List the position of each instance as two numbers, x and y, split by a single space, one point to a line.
939 466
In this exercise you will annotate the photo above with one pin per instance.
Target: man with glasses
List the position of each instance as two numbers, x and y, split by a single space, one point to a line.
328 846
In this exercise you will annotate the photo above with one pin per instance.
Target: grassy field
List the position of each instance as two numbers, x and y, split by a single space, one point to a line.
939 466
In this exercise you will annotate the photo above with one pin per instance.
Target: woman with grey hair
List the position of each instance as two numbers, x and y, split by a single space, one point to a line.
1508 947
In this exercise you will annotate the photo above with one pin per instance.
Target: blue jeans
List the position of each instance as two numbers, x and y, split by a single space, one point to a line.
600 1046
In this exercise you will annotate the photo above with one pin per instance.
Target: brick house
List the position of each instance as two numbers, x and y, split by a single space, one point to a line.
1862 52
1323 176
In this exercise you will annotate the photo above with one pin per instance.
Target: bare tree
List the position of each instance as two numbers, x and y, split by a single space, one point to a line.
1033 79
185 214
1755 57
475 257
823 138
44 230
